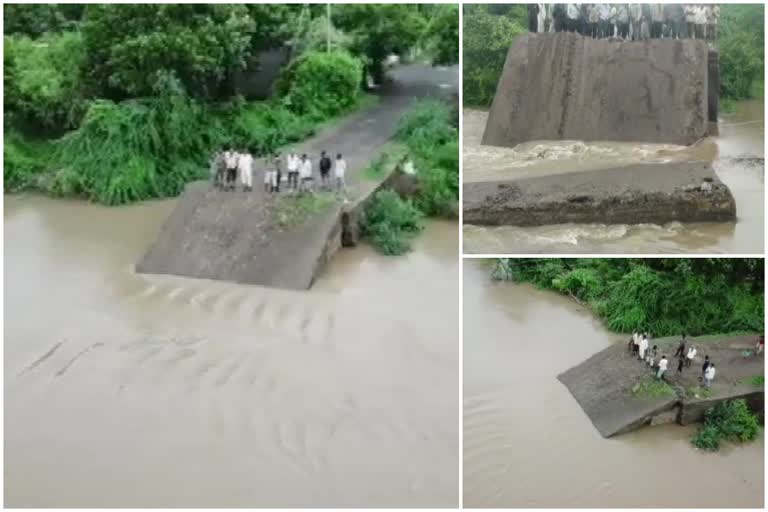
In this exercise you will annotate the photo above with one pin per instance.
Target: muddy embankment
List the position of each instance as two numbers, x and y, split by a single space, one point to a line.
643 193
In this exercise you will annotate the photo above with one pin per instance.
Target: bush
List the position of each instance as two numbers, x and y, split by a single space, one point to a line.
137 149
43 85
487 39
267 126
23 162
321 85
663 298
741 63
390 222
730 421
429 134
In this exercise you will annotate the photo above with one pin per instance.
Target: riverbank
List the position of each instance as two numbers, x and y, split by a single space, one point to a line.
523 430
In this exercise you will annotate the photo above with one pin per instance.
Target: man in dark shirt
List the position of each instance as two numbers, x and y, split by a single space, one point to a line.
325 170
680 352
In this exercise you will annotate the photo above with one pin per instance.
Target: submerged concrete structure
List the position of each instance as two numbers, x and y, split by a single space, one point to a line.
604 384
565 86
634 194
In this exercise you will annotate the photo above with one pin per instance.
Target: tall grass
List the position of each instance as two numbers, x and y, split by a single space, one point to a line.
391 222
633 295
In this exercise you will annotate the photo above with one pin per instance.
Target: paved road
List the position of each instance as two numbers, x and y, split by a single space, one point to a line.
229 236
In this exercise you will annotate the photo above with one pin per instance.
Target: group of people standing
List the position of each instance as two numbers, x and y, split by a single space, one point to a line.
231 165
627 21
639 346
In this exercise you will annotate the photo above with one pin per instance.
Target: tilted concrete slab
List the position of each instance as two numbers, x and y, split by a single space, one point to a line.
564 86
639 193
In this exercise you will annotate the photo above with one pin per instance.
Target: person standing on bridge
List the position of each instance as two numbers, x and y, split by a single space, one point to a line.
657 20
230 159
325 171
674 14
245 168
690 20
662 367
689 357
305 174
278 163
652 356
339 171
709 375
643 347
572 14
292 166
604 25
635 20
700 19
593 19
705 366
680 352
713 19
622 21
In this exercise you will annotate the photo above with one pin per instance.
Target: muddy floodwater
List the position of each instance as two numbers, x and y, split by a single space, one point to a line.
527 443
153 391
737 156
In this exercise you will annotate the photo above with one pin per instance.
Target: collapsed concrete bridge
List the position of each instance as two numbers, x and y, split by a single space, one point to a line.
565 86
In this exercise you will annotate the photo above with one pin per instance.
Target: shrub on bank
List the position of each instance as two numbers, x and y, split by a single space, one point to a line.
427 130
631 295
136 150
727 421
320 84
391 222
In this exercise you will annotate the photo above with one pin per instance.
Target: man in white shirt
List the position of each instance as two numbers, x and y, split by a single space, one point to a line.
662 367
292 167
245 168
339 171
643 347
690 355
709 375
230 159
305 173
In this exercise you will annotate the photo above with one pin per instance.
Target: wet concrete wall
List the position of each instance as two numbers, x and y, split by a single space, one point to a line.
564 86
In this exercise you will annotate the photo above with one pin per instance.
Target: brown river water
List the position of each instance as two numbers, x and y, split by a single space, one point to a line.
736 156
154 391
527 443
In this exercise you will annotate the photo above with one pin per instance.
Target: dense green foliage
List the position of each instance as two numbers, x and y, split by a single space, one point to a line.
377 30
320 84
433 141
42 80
442 34
130 46
135 97
727 421
664 297
487 37
136 149
390 222
741 43
36 19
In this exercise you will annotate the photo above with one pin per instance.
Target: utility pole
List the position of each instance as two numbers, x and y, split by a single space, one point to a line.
328 29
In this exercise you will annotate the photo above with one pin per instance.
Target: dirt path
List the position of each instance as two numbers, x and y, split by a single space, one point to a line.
232 236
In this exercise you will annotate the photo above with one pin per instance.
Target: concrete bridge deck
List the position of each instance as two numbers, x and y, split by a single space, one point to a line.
233 236
603 384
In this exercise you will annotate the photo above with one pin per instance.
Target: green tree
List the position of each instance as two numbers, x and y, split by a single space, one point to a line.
442 34
129 46
378 30
35 19
487 38
741 44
